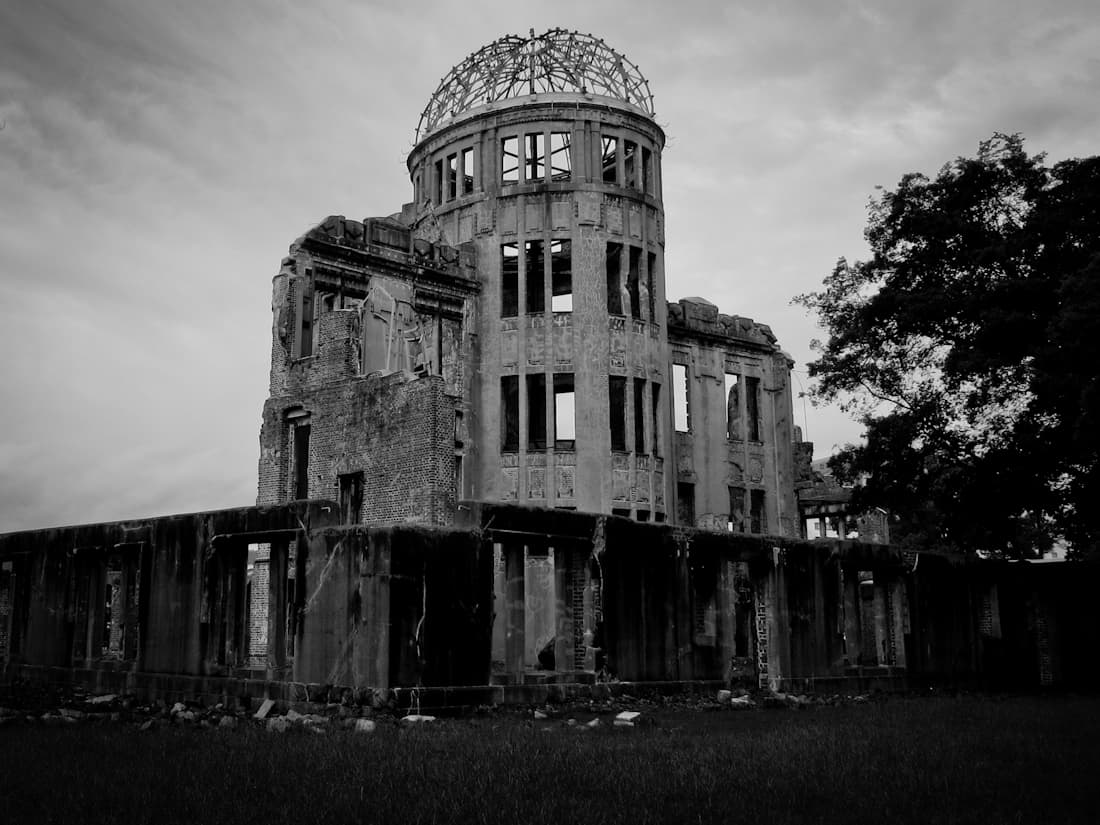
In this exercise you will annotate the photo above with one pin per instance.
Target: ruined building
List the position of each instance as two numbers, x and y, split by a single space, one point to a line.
497 464
506 336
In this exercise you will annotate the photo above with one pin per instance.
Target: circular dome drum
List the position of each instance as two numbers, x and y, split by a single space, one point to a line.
558 61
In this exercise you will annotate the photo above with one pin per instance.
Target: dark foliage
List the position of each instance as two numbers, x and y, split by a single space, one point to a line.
968 346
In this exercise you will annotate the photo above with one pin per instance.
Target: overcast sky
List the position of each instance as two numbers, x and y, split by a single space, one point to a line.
157 159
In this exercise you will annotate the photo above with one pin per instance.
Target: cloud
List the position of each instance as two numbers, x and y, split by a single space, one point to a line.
159 158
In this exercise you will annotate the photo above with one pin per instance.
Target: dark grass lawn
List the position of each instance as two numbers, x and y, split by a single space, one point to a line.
981 760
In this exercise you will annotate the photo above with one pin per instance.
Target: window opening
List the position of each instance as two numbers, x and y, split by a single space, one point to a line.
536 412
616 405
613 260
621 511
536 278
561 165
733 406
655 444
509 417
561 276
736 522
639 416
658 517
752 407
651 281
680 401
565 424
305 337
630 168
509 160
452 177
459 442
610 159
535 147
467 171
509 280
301 461
643 515
647 171
635 258
438 182
756 511
351 498
685 503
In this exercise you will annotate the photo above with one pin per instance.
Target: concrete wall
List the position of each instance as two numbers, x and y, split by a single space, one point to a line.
414 606
721 451
588 343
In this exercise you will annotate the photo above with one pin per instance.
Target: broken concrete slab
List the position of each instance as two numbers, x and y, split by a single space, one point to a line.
277 724
414 718
364 726
103 700
264 709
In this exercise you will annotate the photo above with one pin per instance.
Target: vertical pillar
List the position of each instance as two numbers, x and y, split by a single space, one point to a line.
881 614
515 618
852 614
726 606
276 609
897 619
564 644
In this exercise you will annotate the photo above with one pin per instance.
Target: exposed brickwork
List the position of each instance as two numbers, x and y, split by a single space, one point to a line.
398 431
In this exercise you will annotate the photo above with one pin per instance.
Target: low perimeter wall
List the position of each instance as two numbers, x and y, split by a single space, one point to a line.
515 605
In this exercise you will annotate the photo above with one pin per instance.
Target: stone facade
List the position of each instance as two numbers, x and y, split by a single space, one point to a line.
506 338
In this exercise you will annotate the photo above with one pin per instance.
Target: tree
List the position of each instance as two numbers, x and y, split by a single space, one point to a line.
969 346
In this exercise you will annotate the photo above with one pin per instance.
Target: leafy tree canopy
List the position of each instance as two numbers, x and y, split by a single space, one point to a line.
969 346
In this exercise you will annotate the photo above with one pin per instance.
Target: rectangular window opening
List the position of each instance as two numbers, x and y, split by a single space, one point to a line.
685 503
561 276
351 498
536 278
655 443
756 511
509 160
680 396
651 282
736 522
509 280
733 406
536 412
643 515
610 159
630 166
509 413
535 163
614 279
639 416
452 177
616 407
437 183
565 422
305 336
467 171
632 282
561 163
752 407
647 171
301 461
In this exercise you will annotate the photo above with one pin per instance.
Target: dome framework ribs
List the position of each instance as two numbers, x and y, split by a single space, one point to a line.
558 61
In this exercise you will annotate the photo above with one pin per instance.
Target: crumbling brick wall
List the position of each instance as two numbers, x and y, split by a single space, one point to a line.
397 430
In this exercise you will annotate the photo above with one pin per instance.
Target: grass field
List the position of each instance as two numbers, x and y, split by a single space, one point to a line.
980 760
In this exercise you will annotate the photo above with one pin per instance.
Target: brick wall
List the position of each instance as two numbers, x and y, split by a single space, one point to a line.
397 430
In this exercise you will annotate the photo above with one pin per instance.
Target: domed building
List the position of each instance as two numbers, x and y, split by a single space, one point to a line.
506 338
506 335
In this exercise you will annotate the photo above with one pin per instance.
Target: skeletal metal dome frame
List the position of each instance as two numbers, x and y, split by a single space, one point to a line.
514 66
